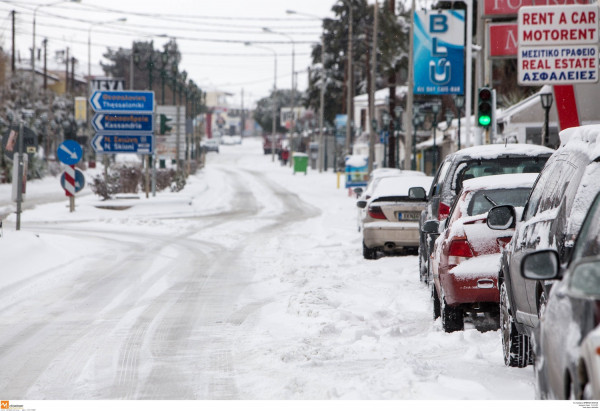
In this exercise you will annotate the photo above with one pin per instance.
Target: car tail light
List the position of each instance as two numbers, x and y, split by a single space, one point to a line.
376 212
503 241
460 247
459 251
443 211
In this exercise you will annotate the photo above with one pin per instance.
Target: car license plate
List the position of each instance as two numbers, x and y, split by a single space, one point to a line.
409 216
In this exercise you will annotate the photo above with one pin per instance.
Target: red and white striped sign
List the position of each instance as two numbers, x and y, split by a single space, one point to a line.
69 185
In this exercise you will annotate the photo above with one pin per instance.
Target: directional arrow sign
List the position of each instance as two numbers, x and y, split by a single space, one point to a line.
69 152
105 122
73 181
122 101
123 143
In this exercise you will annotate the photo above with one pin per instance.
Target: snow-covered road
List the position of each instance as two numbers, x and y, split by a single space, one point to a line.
249 284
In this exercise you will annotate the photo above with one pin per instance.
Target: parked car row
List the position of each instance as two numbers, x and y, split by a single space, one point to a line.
519 251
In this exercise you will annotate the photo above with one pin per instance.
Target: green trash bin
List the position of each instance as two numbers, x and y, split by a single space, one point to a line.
300 162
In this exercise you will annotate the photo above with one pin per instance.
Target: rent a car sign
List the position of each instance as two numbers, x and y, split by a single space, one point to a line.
558 44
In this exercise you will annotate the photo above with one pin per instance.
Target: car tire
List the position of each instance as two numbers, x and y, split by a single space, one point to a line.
422 265
369 253
452 318
437 309
516 347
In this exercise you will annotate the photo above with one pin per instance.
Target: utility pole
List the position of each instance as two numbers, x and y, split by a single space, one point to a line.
243 125
322 153
350 87
67 72
373 86
392 105
45 43
408 142
12 64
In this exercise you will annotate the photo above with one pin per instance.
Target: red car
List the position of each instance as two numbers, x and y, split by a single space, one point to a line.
466 255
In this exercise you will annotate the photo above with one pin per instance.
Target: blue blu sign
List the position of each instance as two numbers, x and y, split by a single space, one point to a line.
439 52
69 152
123 101
123 143
123 122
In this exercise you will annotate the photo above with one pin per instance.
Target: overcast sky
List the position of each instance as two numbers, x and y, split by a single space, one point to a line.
210 34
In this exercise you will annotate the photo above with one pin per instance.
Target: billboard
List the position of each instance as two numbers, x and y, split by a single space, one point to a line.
438 52
510 8
558 45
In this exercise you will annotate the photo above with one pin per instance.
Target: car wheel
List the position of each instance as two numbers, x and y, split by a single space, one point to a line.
436 304
516 347
368 253
452 317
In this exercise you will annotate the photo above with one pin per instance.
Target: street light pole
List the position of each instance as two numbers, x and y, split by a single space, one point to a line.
268 30
546 99
122 19
33 88
321 152
435 109
273 100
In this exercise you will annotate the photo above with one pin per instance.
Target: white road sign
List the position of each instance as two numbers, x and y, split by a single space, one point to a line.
558 45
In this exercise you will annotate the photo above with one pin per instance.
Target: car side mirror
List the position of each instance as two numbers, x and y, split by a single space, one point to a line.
541 265
361 203
358 191
502 217
431 227
417 194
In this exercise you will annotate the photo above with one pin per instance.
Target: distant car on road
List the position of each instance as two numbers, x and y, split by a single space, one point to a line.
231 140
391 222
466 255
210 145
566 346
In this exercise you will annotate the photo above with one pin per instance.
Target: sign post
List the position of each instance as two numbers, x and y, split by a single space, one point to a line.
70 152
124 123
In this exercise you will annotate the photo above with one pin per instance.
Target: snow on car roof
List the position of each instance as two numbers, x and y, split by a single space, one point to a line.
386 171
500 181
587 135
490 151
399 185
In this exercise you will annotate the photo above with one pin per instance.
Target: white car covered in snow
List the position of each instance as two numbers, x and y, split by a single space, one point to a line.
391 218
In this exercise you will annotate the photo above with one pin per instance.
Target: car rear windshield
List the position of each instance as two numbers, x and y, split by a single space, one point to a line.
483 200
397 199
502 165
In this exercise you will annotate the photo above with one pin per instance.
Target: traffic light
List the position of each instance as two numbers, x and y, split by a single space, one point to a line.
164 126
484 107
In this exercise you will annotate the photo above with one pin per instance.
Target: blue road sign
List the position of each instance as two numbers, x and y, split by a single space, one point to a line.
123 143
122 101
79 180
111 122
69 152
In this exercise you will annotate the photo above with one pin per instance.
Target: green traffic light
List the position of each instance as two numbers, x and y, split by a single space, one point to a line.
484 121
